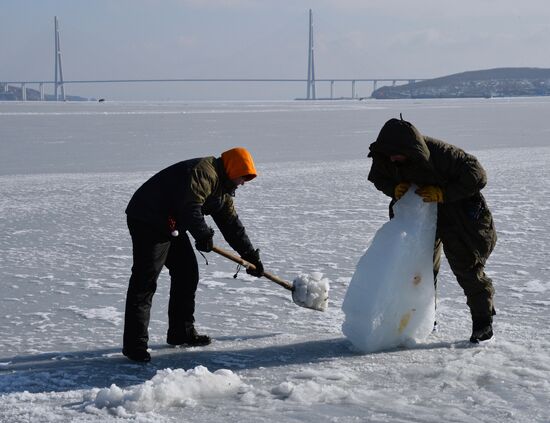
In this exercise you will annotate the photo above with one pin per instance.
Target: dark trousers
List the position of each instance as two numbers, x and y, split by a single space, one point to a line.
471 277
152 250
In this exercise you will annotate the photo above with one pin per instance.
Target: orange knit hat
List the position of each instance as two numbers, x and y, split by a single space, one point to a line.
238 163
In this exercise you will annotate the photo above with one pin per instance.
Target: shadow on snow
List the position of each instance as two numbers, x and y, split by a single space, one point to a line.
59 372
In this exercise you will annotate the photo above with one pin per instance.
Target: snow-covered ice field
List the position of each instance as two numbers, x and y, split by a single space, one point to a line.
67 172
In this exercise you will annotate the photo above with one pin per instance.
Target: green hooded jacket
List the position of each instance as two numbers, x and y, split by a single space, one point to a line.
187 191
464 222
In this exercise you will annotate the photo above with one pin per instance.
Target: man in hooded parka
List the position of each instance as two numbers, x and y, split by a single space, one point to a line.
161 212
445 174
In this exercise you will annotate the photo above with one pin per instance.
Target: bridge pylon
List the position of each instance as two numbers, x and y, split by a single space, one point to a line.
58 68
310 95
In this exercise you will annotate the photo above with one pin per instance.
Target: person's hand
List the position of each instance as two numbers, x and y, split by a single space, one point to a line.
400 189
253 257
206 243
430 194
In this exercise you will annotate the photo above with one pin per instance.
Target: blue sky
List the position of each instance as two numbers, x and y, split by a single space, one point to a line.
118 39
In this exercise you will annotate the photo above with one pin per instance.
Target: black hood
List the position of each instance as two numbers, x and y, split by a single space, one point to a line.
398 136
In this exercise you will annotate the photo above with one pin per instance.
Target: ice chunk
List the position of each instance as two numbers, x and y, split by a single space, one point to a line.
311 291
390 299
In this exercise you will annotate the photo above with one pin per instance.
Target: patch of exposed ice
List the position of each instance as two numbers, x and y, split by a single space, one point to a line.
109 313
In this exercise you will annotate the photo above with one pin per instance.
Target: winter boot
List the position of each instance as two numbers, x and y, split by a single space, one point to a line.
482 328
189 337
137 354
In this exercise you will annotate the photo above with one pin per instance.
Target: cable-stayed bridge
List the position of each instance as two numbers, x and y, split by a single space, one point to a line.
59 84
353 81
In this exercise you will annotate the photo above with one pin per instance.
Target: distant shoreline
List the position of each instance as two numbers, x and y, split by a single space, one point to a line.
498 82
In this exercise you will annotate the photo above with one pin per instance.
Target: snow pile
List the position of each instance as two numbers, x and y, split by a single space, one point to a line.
390 299
311 291
169 388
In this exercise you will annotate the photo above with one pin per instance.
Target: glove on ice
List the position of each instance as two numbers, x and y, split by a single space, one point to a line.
430 194
253 257
205 243
401 189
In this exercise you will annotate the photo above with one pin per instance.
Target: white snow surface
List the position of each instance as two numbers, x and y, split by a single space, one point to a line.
68 171
390 300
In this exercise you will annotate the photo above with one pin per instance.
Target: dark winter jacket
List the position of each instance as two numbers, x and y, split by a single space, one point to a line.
464 222
186 192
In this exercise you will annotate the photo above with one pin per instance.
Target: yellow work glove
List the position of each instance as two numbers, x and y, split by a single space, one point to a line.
430 194
401 189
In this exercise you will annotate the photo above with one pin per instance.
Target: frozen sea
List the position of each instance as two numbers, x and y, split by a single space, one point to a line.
67 172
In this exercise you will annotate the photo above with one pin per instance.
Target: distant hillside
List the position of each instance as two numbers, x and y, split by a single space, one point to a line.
499 82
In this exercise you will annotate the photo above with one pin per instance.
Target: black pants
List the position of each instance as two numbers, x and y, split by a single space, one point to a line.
471 277
151 251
